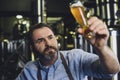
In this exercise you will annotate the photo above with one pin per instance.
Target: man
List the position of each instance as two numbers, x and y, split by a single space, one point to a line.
74 64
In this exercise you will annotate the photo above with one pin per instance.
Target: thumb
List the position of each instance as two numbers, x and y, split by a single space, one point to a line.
80 31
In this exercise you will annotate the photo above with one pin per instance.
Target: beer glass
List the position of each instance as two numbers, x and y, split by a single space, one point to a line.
77 10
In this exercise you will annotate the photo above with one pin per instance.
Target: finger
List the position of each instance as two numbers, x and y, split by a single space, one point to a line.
103 32
96 24
103 27
80 30
92 20
98 27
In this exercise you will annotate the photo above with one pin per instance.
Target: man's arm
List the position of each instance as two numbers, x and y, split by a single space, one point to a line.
108 59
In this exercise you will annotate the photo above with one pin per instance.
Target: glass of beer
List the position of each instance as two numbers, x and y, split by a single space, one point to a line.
78 11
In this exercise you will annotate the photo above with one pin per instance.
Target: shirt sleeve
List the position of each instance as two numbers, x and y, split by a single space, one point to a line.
88 64
92 67
28 73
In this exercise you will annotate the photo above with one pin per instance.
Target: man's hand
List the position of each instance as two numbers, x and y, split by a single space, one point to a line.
98 27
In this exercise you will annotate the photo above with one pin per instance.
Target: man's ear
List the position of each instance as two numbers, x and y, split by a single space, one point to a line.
31 47
32 53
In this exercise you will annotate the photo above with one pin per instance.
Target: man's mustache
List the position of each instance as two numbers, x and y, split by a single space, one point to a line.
49 47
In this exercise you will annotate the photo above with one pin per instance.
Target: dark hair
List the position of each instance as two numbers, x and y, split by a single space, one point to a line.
34 27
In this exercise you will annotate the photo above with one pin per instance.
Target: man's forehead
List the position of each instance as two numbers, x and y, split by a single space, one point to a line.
42 32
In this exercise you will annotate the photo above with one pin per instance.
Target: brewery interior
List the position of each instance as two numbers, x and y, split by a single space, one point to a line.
17 16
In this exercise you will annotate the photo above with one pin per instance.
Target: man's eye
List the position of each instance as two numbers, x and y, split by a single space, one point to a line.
39 40
51 37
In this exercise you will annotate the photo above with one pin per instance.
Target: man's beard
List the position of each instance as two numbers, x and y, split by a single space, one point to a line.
50 55
47 55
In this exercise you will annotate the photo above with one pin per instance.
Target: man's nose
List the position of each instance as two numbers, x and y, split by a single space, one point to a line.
47 42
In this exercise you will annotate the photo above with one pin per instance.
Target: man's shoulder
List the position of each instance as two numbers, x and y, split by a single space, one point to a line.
31 64
72 51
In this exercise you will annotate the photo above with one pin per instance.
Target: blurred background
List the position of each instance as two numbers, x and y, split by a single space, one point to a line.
17 16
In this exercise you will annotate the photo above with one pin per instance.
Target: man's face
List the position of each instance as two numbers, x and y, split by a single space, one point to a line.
45 43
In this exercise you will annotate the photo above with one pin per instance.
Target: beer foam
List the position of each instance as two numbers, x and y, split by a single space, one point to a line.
77 4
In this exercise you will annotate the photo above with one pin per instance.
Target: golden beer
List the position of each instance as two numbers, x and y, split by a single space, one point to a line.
79 14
